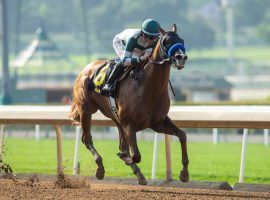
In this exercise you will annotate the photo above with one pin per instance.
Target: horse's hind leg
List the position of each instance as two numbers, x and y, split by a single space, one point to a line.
87 140
125 156
167 127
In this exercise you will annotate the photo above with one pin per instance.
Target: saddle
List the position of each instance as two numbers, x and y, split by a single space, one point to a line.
99 78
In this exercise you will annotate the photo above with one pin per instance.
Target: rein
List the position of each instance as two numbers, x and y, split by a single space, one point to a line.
164 61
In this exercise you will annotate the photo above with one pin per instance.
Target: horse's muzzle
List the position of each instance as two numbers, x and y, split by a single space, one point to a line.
181 57
179 61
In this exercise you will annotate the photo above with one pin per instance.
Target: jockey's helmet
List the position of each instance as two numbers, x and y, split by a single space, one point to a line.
150 28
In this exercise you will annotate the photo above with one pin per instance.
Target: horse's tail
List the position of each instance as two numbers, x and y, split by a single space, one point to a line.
80 90
74 113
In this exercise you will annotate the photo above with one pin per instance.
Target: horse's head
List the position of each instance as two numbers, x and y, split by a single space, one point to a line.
171 48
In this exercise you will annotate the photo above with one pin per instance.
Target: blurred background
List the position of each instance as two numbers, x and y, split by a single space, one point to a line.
45 44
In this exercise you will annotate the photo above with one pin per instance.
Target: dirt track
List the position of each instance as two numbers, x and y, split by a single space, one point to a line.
33 188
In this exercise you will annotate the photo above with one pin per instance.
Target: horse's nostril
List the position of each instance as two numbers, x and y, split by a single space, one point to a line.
179 56
185 57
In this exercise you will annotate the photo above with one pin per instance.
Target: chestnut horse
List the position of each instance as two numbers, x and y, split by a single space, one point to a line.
142 103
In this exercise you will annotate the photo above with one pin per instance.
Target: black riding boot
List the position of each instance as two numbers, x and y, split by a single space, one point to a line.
118 69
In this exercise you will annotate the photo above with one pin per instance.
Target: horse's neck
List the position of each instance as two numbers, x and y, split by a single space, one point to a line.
157 76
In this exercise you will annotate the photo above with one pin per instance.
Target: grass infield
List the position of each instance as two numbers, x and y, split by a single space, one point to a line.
208 162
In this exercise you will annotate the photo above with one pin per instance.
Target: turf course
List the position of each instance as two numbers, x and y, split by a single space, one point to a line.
207 161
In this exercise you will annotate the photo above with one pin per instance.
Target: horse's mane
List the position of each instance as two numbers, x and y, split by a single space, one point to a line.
156 49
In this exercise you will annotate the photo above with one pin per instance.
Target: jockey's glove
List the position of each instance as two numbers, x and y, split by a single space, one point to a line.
145 55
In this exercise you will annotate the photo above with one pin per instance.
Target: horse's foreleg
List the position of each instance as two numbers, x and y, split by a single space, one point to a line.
123 147
167 127
125 156
135 169
87 140
131 139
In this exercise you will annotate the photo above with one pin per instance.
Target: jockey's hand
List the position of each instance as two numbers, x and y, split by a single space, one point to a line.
145 55
149 50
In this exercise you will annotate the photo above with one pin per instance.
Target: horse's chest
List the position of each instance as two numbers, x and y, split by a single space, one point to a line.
141 109
141 119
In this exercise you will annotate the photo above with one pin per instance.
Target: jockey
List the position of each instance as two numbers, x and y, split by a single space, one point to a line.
133 46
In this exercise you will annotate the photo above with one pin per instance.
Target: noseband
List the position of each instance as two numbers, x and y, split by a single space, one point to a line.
166 51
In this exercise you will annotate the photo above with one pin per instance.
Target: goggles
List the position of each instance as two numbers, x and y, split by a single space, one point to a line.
150 37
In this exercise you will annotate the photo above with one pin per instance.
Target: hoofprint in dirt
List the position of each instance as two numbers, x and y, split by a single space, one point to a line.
78 188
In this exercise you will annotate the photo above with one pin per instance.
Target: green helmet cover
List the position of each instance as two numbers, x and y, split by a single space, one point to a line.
150 27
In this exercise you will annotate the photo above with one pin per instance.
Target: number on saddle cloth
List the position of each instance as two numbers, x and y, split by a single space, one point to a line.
99 78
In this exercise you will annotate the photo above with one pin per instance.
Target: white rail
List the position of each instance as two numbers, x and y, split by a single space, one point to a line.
183 116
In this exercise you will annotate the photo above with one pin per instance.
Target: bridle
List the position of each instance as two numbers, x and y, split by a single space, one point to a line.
167 52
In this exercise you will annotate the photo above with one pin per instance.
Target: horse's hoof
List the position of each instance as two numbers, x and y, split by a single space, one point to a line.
142 181
136 159
184 176
100 173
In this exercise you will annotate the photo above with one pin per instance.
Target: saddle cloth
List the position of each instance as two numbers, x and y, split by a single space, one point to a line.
99 78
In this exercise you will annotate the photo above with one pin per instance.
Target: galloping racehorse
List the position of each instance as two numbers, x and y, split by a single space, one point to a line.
142 103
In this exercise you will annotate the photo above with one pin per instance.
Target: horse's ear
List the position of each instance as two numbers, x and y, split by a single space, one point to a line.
174 28
161 30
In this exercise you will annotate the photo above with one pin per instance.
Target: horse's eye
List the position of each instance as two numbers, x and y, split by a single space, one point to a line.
168 43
